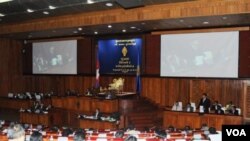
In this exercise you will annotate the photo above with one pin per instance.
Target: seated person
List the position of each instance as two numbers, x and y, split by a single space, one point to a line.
119 134
219 110
215 106
189 108
177 106
97 114
79 136
229 106
36 136
131 138
16 133
234 111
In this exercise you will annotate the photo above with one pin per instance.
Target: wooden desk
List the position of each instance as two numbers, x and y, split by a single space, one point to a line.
20 103
85 104
35 119
96 124
195 120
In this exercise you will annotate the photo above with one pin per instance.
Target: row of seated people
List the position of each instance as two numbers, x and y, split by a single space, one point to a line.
22 132
25 132
38 107
215 108
29 95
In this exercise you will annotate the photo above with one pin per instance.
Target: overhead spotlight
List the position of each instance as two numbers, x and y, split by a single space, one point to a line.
30 10
52 7
2 1
46 12
2 15
133 27
109 26
96 32
124 30
205 22
80 29
109 4
90 1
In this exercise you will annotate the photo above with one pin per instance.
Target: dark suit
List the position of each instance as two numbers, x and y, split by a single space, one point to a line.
206 104
235 112
189 109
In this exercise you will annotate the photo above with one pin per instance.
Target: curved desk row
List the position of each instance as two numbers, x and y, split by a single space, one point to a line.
85 104
195 120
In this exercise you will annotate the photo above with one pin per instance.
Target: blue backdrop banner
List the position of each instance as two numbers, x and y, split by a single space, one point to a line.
119 56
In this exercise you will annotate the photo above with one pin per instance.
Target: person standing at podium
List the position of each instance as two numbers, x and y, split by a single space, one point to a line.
205 103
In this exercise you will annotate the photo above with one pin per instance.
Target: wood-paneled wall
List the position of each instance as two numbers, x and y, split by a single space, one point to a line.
164 91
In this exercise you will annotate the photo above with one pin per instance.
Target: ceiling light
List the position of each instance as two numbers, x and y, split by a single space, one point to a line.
90 1
30 10
1 15
206 22
80 29
75 32
143 23
46 12
96 32
181 20
124 30
52 7
133 27
109 26
2 1
109 4
224 18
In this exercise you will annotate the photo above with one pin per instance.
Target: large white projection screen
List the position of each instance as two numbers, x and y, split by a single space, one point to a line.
212 54
57 57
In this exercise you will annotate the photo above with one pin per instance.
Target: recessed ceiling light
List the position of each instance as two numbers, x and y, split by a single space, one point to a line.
109 4
2 1
96 32
133 27
206 22
1 15
46 12
80 29
52 7
90 1
224 18
109 26
30 10
181 20
124 30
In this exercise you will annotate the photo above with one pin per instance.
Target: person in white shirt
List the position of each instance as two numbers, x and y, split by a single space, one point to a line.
177 106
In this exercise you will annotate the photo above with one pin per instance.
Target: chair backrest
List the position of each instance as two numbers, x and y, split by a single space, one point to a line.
239 110
62 139
215 137
193 105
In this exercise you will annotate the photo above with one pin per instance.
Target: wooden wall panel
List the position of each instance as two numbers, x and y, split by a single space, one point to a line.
152 55
185 90
84 56
244 59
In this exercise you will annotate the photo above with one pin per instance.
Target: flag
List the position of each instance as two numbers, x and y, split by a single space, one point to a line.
97 70
138 78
